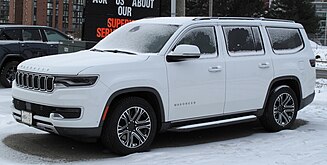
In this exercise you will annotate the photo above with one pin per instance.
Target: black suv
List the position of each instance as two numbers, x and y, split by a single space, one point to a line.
21 42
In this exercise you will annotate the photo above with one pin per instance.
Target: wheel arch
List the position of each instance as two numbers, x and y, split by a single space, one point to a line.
147 93
11 57
290 81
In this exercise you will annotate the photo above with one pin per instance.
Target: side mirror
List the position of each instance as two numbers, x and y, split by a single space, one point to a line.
184 52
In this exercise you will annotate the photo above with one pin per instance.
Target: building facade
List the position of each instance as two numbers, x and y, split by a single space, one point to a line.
4 11
65 15
321 12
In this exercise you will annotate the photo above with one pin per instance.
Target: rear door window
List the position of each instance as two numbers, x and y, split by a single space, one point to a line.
11 34
243 40
285 40
31 35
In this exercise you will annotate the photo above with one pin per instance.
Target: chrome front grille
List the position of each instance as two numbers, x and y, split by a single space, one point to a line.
35 81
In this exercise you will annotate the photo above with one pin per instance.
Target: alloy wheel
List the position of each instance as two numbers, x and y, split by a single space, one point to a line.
10 74
134 127
284 109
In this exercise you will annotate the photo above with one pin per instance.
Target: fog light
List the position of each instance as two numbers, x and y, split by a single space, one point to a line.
56 116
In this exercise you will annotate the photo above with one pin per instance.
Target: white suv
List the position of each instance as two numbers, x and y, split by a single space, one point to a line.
162 74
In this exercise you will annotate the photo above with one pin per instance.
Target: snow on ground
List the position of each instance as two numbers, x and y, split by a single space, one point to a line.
240 144
321 65
321 52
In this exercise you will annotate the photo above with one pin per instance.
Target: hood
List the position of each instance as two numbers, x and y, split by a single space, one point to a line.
73 63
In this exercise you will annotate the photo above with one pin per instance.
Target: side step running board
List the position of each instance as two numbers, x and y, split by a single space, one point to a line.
212 124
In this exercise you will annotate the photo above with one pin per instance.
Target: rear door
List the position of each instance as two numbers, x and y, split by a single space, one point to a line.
10 41
249 68
33 45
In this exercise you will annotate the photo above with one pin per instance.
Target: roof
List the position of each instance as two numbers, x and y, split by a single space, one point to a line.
167 20
11 26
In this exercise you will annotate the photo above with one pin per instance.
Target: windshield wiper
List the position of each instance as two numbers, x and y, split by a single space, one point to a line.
96 50
119 51
113 51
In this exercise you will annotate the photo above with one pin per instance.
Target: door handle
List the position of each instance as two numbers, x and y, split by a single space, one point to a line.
264 65
23 45
215 69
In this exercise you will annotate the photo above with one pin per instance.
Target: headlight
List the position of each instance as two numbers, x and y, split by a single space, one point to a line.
75 80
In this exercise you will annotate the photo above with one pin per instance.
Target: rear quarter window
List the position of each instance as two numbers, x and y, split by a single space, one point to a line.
10 34
285 40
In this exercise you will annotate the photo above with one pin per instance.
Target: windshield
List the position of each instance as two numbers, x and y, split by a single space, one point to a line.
138 38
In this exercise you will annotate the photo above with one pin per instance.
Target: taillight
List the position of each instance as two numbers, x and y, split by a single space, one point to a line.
312 62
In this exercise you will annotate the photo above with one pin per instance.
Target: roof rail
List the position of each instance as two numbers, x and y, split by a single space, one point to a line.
274 19
242 18
7 23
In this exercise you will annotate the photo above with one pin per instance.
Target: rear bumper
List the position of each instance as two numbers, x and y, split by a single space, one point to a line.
306 101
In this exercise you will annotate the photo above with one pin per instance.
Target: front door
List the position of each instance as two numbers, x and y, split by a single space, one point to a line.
53 39
197 86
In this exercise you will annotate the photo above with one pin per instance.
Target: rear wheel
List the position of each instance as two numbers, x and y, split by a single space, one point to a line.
131 126
8 72
281 110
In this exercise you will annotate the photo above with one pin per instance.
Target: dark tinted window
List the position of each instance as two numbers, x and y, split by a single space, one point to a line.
243 40
54 36
285 40
10 34
31 35
202 37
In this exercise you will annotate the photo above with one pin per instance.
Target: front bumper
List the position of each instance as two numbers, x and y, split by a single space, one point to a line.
83 134
73 112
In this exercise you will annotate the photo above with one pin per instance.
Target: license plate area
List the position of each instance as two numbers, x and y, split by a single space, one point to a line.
27 117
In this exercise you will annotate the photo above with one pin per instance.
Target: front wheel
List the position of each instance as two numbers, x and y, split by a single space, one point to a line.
281 110
130 127
8 72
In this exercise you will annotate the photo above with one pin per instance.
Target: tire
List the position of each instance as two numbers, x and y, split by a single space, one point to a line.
8 72
281 110
130 127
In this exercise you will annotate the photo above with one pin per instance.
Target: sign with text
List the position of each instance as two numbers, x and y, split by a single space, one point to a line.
104 16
